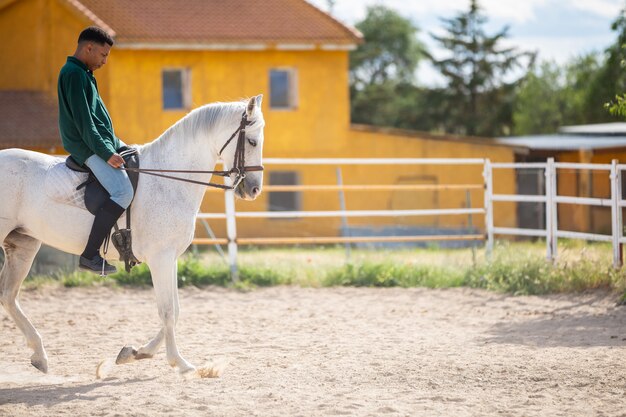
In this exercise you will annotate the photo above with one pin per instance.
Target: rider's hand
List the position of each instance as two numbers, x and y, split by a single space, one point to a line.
116 160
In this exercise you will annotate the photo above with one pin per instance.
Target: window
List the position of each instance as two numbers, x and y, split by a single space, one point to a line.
284 200
283 91
176 89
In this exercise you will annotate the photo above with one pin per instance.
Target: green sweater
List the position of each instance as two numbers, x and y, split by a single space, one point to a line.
84 121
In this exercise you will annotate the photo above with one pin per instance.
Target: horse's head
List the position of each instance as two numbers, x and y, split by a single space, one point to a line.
251 147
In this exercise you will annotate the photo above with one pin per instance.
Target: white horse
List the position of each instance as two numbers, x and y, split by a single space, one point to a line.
163 212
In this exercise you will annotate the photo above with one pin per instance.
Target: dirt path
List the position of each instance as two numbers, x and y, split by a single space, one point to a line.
341 351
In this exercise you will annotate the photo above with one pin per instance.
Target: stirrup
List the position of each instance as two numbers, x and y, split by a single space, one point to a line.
122 240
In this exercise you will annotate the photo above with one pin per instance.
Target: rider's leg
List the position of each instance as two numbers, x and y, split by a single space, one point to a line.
115 181
118 185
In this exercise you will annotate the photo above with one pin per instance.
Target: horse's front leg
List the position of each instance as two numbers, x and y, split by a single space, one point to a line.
131 354
150 349
164 278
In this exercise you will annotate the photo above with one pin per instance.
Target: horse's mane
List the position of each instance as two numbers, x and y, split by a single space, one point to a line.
200 120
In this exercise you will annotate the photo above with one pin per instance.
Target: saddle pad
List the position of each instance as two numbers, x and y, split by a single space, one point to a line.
61 183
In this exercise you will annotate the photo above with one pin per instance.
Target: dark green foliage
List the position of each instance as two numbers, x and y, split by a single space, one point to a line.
490 90
479 93
540 102
382 70
579 92
394 104
391 49
610 80
560 95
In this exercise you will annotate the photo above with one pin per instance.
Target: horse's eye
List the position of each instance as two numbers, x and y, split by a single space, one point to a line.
252 142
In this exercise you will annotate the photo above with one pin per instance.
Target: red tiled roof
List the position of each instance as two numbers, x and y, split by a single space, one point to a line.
29 120
217 21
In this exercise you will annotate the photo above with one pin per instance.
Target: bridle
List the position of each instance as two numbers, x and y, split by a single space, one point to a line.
239 164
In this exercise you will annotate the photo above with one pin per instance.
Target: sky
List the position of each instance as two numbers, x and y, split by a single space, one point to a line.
557 29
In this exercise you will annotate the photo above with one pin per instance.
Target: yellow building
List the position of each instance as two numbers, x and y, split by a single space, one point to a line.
172 56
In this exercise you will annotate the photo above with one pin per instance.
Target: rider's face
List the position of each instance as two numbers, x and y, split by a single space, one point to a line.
97 55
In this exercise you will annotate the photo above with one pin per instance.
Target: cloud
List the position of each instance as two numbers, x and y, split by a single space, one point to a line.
514 11
604 8
558 29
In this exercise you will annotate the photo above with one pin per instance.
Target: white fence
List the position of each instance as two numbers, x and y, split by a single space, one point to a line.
551 199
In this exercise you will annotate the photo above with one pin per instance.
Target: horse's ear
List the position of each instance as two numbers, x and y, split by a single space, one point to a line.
255 102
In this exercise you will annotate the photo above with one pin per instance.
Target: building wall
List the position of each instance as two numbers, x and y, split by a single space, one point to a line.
317 126
37 36
23 30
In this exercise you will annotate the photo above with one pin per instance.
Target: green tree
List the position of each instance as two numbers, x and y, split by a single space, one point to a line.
611 83
479 73
553 95
579 75
539 103
382 66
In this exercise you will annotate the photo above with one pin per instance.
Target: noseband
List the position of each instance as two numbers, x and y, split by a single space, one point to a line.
239 164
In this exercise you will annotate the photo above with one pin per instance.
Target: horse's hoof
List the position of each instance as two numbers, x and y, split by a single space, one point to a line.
186 369
128 354
41 364
188 372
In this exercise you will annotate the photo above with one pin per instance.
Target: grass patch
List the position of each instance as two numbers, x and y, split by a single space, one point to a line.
194 271
389 274
80 279
518 268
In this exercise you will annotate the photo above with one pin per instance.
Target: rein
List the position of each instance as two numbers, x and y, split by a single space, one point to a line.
239 163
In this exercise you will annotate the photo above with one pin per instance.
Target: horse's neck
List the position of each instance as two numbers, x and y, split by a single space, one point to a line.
177 152
180 153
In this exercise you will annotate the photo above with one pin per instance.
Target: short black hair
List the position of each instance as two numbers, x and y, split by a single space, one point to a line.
95 34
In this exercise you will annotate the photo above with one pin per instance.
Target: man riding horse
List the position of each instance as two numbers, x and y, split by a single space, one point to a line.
87 133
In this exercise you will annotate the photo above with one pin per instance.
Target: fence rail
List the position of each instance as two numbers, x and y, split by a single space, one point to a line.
551 199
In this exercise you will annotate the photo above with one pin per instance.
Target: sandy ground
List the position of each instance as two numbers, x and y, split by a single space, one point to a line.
340 351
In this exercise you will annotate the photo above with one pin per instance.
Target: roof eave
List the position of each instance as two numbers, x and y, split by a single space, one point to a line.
91 16
234 46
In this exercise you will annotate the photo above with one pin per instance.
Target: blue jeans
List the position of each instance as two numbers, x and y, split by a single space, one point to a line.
115 181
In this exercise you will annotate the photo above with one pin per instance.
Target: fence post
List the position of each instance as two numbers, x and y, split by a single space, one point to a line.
470 223
231 231
551 212
616 213
342 207
487 175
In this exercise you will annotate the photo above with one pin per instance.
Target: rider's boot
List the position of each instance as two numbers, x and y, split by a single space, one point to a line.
106 216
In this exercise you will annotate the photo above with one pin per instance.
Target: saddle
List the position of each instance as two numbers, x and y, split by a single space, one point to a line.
96 195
